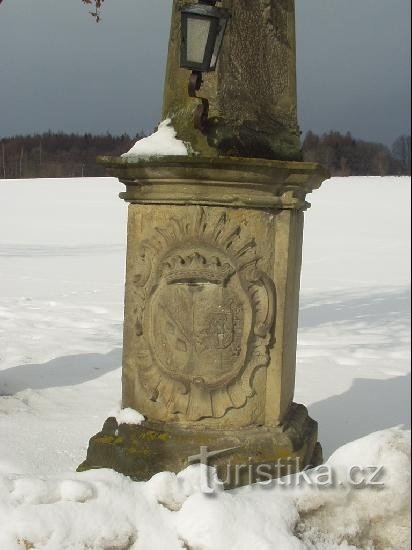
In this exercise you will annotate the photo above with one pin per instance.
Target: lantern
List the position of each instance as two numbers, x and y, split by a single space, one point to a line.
203 28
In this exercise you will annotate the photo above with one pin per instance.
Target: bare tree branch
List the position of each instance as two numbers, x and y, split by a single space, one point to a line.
97 8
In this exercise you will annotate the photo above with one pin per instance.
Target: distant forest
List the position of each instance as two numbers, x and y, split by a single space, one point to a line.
344 155
59 155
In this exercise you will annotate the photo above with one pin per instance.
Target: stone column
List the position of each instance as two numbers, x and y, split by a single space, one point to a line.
211 307
252 95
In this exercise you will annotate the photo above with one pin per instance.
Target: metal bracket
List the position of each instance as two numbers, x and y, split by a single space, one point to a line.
202 110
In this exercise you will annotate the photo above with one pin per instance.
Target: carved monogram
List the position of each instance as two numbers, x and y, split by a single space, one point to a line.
204 317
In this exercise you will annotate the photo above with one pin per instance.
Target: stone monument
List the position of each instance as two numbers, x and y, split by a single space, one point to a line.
213 267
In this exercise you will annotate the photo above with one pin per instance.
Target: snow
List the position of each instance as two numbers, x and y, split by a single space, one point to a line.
102 509
62 258
161 143
128 416
366 518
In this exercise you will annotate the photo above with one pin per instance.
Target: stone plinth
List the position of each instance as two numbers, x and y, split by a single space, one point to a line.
143 451
211 310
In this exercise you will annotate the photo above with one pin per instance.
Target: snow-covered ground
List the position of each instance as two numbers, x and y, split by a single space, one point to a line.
62 255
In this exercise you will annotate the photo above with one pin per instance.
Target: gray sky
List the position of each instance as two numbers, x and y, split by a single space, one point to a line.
59 70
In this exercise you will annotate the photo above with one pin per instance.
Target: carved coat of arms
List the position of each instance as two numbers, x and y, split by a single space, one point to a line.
204 318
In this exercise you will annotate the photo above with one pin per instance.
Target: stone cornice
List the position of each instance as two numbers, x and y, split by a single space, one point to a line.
222 181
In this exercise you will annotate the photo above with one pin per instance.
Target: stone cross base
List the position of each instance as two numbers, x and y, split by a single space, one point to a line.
211 310
242 456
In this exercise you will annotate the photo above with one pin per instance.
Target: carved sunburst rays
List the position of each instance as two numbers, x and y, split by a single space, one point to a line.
200 230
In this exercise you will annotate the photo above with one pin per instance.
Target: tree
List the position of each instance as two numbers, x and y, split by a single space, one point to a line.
58 154
3 152
96 10
344 155
401 151
97 6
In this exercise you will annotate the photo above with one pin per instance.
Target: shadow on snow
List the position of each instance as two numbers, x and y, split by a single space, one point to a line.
368 406
377 308
62 371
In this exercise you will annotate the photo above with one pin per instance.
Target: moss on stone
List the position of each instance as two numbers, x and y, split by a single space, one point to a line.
142 451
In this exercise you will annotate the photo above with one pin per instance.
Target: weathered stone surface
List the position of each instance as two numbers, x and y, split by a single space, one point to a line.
252 95
142 451
200 311
212 293
220 181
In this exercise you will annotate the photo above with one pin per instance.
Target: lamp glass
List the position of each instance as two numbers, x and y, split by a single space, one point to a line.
198 29
218 43
202 28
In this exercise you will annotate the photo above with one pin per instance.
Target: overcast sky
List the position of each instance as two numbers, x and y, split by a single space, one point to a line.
60 70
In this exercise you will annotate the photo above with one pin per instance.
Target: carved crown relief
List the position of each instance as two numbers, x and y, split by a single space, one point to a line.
204 317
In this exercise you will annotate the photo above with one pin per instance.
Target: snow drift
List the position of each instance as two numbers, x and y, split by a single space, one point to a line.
102 509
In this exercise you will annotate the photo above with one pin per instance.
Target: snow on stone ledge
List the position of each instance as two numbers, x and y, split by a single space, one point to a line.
128 416
160 144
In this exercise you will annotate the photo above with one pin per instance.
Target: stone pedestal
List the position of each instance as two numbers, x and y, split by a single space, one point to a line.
211 311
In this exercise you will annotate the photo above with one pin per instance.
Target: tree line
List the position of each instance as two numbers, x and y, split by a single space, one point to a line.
59 155
343 155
